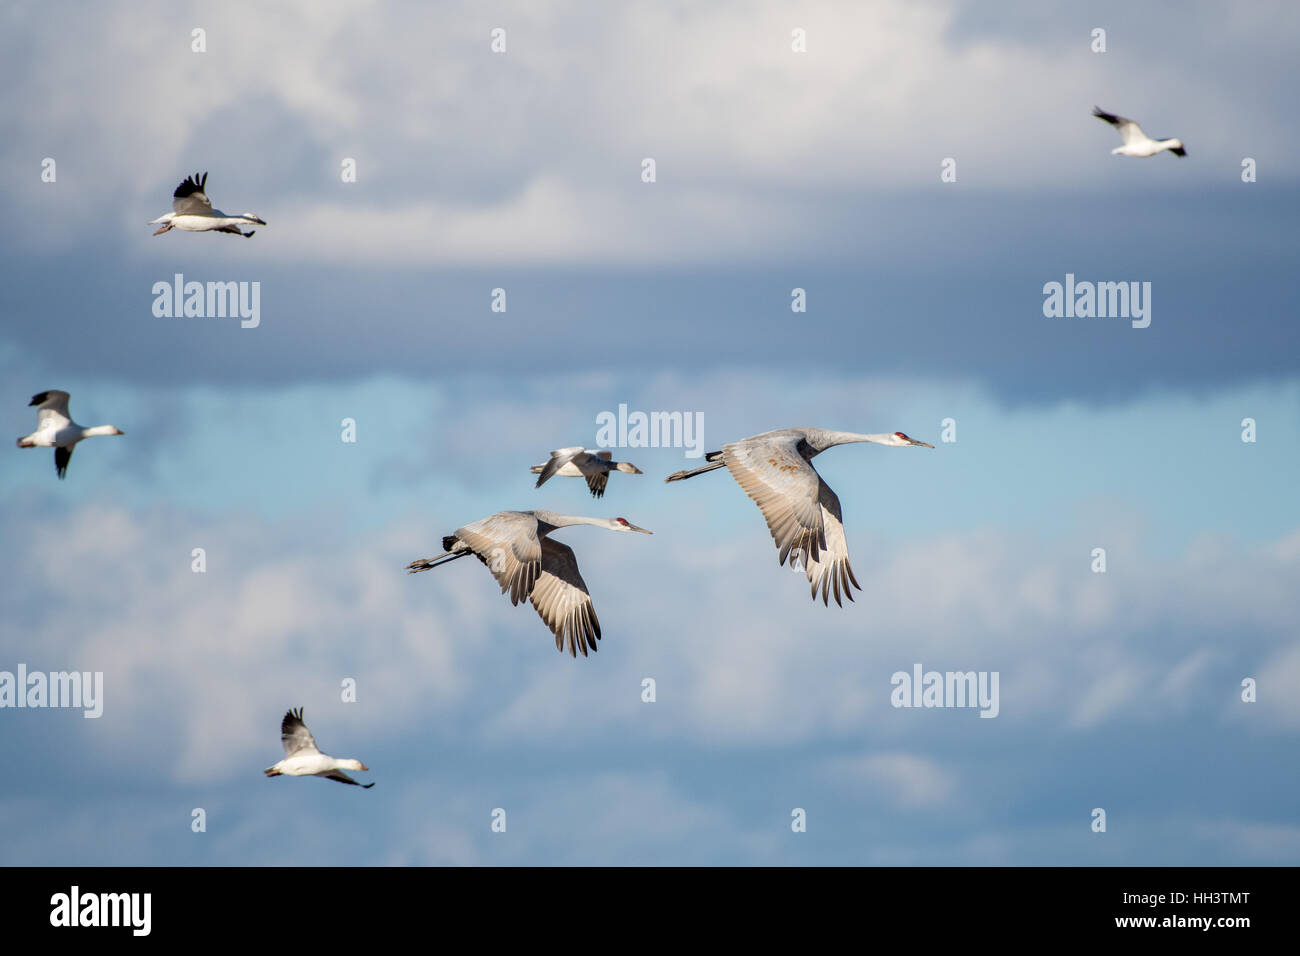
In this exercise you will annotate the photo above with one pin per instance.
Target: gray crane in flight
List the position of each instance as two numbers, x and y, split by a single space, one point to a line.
775 470
515 547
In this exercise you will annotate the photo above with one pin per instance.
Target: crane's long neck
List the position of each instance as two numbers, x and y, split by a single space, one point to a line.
823 439
564 521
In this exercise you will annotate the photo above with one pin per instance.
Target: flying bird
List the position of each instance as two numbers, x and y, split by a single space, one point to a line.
192 212
1136 142
54 429
515 547
578 462
302 758
802 512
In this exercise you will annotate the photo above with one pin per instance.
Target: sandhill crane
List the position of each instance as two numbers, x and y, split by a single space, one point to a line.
515 547
802 512
1136 142
578 462
302 758
55 429
192 212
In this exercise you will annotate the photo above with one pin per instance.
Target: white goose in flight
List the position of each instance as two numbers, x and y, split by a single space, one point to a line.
192 212
54 429
802 512
515 547
578 462
302 758
1136 142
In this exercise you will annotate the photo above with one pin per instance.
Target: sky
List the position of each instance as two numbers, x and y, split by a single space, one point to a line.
774 171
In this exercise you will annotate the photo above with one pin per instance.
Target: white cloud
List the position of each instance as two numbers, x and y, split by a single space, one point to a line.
907 781
534 156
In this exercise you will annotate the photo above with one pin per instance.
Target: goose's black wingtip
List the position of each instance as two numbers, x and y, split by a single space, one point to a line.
190 185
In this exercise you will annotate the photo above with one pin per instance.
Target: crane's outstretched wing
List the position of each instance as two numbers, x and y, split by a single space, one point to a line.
559 458
831 569
1128 130
341 777
785 486
190 199
295 736
507 543
563 602
51 410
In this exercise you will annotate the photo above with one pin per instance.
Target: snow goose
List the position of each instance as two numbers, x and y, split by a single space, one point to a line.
54 429
515 548
578 462
302 758
192 212
1136 142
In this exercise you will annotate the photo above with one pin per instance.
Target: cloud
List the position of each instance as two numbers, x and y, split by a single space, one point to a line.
535 155
1278 686
905 780
205 663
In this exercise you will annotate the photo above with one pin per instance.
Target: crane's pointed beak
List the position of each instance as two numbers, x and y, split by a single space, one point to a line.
922 444
632 527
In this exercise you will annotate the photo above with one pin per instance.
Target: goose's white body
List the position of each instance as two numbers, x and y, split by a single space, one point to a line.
217 222
192 211
312 765
1136 142
55 429
302 758
579 462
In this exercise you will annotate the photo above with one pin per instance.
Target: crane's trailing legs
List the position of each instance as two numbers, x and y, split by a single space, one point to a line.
424 564
713 456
